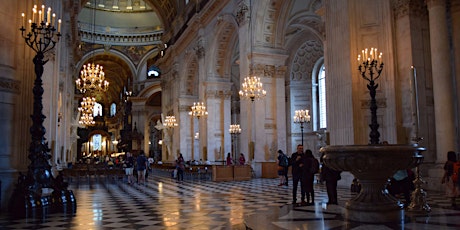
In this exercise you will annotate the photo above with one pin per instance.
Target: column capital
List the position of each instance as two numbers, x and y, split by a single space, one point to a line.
224 94
241 13
270 71
403 8
434 3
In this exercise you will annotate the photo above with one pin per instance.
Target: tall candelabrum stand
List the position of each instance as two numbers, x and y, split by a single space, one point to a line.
372 164
301 117
418 197
234 131
30 197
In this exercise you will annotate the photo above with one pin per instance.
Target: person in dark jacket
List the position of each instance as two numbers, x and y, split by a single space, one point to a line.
298 163
310 169
330 176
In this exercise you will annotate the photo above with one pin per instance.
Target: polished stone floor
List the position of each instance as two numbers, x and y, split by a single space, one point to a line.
107 203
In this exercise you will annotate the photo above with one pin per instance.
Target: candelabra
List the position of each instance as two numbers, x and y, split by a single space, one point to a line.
370 68
418 197
31 192
198 110
301 116
234 131
252 88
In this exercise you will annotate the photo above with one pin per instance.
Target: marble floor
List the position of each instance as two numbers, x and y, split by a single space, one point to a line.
163 203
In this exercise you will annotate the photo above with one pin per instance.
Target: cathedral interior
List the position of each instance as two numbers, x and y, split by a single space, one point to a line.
91 80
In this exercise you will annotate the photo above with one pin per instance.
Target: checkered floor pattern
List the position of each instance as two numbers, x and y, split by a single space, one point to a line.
163 203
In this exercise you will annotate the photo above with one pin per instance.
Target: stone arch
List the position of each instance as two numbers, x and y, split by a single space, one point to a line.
118 69
227 37
189 83
268 22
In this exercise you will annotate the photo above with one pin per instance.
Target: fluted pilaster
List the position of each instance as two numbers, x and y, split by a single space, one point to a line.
442 82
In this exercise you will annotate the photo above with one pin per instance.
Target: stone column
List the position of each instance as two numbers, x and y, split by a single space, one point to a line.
455 11
442 81
247 139
203 123
219 140
339 79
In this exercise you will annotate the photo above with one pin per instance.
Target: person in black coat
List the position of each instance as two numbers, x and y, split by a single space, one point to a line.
298 163
311 168
330 176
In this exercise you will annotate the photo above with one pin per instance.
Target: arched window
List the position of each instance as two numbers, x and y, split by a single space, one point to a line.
319 110
97 110
322 114
113 109
97 142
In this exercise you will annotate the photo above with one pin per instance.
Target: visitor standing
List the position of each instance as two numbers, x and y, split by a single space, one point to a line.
308 178
242 160
229 159
450 177
298 163
330 176
180 166
283 164
142 163
129 165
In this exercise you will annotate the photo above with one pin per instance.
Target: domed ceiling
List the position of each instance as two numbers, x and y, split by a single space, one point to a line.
131 27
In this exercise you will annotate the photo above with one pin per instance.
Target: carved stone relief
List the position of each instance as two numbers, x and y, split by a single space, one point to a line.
305 59
9 85
241 14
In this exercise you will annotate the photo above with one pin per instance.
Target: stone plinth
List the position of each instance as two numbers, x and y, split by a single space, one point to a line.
373 165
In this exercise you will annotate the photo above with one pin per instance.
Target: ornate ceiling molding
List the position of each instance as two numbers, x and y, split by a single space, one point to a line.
120 37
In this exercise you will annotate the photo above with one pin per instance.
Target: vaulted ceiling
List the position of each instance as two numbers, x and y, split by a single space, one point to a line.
96 22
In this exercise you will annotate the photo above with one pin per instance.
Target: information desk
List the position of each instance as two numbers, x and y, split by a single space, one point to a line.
242 172
269 169
230 173
222 173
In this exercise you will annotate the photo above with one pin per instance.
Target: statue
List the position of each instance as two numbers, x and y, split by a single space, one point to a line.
166 136
74 125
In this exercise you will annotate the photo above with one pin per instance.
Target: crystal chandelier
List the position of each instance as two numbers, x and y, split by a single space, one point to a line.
87 119
170 121
86 111
252 88
92 78
198 110
234 129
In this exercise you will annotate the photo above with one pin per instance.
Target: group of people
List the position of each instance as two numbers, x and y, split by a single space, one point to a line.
229 159
141 164
304 167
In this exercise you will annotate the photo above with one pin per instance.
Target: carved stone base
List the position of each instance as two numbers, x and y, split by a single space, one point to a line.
373 165
374 204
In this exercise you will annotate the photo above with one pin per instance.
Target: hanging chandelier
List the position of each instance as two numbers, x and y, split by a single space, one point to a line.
234 129
198 110
252 88
92 78
86 110
87 119
170 121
